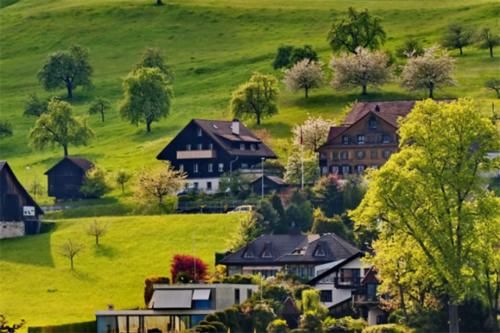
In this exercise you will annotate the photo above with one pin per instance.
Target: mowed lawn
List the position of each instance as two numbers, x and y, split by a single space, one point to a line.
212 46
38 285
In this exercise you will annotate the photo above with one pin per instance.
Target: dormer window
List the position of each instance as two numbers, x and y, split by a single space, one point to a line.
319 251
345 140
372 123
248 254
199 132
267 253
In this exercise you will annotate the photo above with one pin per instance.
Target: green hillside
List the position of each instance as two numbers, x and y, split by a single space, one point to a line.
213 46
38 285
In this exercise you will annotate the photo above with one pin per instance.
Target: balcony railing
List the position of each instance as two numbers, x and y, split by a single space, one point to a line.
195 154
352 282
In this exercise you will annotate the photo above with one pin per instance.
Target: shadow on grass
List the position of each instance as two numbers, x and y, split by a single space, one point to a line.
83 276
157 132
29 250
105 251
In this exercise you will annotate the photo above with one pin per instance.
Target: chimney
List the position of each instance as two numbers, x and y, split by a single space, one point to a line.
377 108
111 307
235 127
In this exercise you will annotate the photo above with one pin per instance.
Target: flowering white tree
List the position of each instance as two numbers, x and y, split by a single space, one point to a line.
429 71
159 182
305 74
360 69
312 133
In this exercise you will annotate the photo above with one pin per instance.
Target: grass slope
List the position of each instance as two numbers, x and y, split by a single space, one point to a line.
37 284
213 47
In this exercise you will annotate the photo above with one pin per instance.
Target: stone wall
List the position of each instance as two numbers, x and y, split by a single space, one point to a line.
11 229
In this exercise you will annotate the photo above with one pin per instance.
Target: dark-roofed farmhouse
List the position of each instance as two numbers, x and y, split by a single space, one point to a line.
295 254
367 137
207 149
66 177
19 213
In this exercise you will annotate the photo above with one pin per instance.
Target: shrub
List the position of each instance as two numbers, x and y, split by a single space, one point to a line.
148 286
239 279
95 185
277 326
387 328
345 324
186 268
5 129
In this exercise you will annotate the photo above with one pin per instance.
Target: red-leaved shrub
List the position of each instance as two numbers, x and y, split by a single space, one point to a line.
187 269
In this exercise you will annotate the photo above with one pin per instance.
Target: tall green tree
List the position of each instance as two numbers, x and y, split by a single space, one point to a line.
356 29
153 58
457 37
488 40
431 192
66 69
58 126
100 106
147 97
35 106
257 98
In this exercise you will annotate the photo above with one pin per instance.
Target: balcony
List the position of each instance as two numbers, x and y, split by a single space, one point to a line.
195 154
347 282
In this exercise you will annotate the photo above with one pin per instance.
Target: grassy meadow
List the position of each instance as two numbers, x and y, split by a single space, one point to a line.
213 46
38 285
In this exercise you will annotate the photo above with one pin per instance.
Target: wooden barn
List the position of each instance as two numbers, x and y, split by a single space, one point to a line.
269 183
19 213
66 177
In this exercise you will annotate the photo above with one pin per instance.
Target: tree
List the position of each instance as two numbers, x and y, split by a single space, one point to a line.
305 74
95 184
188 269
299 213
293 172
282 58
312 133
66 69
5 129
70 250
360 69
247 231
310 323
35 106
301 53
58 126
159 182
97 230
277 326
493 84
36 188
356 29
327 194
159 2
147 97
149 282
121 178
431 192
488 40
411 47
457 37
100 106
257 98
324 225
429 71
6 328
153 58
311 303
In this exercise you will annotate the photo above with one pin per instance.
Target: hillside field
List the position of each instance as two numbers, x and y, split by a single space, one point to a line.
38 285
213 46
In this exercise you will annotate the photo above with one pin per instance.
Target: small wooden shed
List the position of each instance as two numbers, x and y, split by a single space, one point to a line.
66 177
271 184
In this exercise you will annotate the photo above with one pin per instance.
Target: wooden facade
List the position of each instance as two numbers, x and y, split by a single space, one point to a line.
366 139
207 149
66 177
19 213
271 184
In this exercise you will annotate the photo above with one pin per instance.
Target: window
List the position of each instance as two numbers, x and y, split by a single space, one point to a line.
236 296
372 123
325 296
210 167
344 155
242 146
349 276
199 132
386 153
373 154
386 138
195 185
334 169
221 167
361 139
209 186
248 254
244 165
195 168
345 139
346 169
200 146
324 170
360 168
253 146
335 155
188 147
360 155
319 251
267 253
249 293
181 167
210 146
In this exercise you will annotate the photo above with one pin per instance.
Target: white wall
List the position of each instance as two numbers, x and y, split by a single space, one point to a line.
11 229
202 184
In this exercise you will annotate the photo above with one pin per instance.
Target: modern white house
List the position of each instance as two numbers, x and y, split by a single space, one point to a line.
174 308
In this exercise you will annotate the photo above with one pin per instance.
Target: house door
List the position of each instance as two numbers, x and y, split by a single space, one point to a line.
12 210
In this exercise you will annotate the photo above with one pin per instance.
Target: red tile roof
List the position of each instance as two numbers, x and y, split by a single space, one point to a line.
390 111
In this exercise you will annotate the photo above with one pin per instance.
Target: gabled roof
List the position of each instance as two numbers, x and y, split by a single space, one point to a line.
5 168
390 111
79 162
292 249
275 179
221 132
335 268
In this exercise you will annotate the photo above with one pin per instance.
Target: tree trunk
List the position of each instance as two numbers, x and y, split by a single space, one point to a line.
69 88
453 317
258 118
72 267
65 150
306 91
402 302
102 115
148 126
431 90
461 51
364 89
123 187
491 51
97 240
159 2
498 92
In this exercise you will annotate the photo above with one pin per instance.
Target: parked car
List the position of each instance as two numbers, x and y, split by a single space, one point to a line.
242 209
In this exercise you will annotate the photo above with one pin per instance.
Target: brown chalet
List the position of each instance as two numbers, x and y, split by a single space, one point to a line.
366 139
